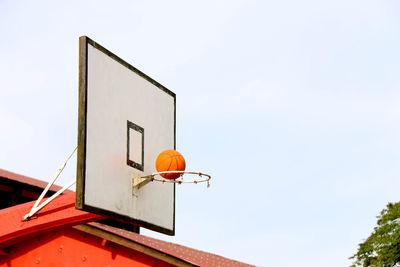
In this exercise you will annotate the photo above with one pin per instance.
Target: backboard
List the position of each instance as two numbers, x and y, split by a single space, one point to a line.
125 120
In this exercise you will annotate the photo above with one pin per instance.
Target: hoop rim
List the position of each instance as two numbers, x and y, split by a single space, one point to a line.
151 177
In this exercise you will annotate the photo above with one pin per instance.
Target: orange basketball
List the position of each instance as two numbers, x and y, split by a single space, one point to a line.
170 160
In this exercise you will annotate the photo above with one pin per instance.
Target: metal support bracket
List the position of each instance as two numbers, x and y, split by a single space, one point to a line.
36 207
140 181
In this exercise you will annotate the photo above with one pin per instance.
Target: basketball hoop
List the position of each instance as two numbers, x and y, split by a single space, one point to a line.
202 177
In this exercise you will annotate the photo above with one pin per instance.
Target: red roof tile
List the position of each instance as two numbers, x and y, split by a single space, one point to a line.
189 255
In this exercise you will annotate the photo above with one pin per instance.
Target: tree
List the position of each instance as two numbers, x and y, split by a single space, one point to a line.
382 247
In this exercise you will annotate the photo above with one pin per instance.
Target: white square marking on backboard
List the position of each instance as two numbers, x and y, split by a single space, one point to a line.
135 146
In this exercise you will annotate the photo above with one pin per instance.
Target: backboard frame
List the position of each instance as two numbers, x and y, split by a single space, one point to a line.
84 41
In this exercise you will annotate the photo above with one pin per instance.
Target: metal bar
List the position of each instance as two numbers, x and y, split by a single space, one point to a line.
47 201
49 185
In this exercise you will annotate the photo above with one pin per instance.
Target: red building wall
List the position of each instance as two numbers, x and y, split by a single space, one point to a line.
71 247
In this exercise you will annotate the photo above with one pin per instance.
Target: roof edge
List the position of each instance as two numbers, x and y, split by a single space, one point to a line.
59 213
29 181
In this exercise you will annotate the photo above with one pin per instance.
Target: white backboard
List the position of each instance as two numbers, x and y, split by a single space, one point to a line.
125 120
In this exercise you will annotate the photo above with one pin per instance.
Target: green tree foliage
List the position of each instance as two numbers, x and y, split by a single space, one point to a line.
382 247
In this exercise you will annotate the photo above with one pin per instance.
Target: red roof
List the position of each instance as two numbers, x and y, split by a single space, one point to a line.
27 180
61 213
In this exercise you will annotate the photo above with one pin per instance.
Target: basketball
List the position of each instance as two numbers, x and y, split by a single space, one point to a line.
170 160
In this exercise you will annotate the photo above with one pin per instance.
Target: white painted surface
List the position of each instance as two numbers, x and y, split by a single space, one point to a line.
116 94
135 146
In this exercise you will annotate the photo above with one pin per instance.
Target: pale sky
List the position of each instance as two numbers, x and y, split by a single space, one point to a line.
292 106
